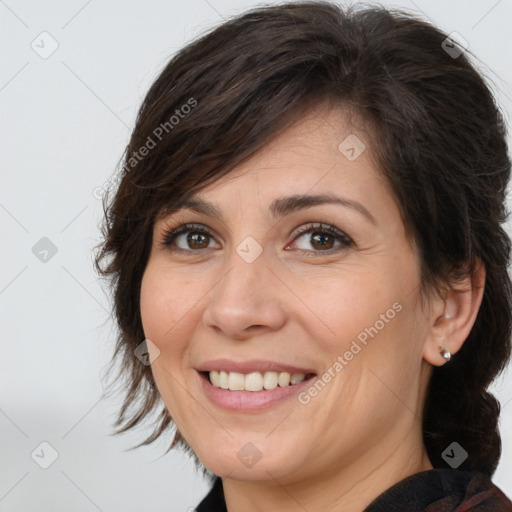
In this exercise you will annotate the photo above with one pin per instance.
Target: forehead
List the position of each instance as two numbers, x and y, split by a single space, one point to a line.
326 150
323 157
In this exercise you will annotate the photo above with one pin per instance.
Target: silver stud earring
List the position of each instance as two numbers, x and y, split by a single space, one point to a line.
446 354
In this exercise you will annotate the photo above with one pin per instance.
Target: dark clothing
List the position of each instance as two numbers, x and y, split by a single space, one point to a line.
434 490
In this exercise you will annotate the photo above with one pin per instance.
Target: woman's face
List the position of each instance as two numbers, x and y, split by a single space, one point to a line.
299 265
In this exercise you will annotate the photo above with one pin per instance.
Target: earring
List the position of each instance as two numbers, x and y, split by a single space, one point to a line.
446 354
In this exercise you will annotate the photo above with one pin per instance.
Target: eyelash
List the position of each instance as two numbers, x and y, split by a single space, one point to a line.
345 241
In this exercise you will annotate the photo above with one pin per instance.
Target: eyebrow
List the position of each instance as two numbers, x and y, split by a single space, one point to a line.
280 207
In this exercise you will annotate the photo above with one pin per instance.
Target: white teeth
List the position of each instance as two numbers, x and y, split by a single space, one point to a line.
223 380
284 379
270 380
236 381
215 378
254 381
296 378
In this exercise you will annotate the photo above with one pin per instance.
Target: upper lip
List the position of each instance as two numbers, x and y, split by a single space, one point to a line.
252 365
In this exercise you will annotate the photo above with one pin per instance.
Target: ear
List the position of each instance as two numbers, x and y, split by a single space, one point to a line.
453 316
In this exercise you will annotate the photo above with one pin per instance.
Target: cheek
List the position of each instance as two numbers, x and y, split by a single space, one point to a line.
350 307
363 318
152 305
166 311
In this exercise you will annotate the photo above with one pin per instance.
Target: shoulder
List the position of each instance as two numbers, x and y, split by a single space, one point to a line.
435 490
443 490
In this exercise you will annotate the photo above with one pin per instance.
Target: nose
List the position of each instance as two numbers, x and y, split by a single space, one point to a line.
247 299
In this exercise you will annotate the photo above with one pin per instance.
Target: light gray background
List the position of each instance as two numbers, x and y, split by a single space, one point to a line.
65 121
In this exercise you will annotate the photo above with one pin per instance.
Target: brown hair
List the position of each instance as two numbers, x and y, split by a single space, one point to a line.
438 137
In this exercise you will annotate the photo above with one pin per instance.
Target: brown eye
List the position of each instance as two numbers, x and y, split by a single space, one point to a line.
322 241
197 240
321 238
188 238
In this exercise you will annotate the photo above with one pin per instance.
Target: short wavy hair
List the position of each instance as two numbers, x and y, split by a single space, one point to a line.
437 134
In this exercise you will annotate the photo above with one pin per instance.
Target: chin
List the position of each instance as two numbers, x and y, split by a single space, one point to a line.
257 461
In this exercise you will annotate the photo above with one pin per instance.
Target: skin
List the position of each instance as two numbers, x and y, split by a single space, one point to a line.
362 433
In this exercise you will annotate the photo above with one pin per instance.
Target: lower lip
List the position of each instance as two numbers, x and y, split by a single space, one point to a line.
248 401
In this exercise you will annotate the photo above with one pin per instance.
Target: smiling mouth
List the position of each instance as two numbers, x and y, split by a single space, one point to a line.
254 381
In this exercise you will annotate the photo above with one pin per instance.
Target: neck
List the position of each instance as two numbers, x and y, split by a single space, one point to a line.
350 488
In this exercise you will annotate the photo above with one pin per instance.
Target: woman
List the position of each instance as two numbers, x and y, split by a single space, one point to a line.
308 264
